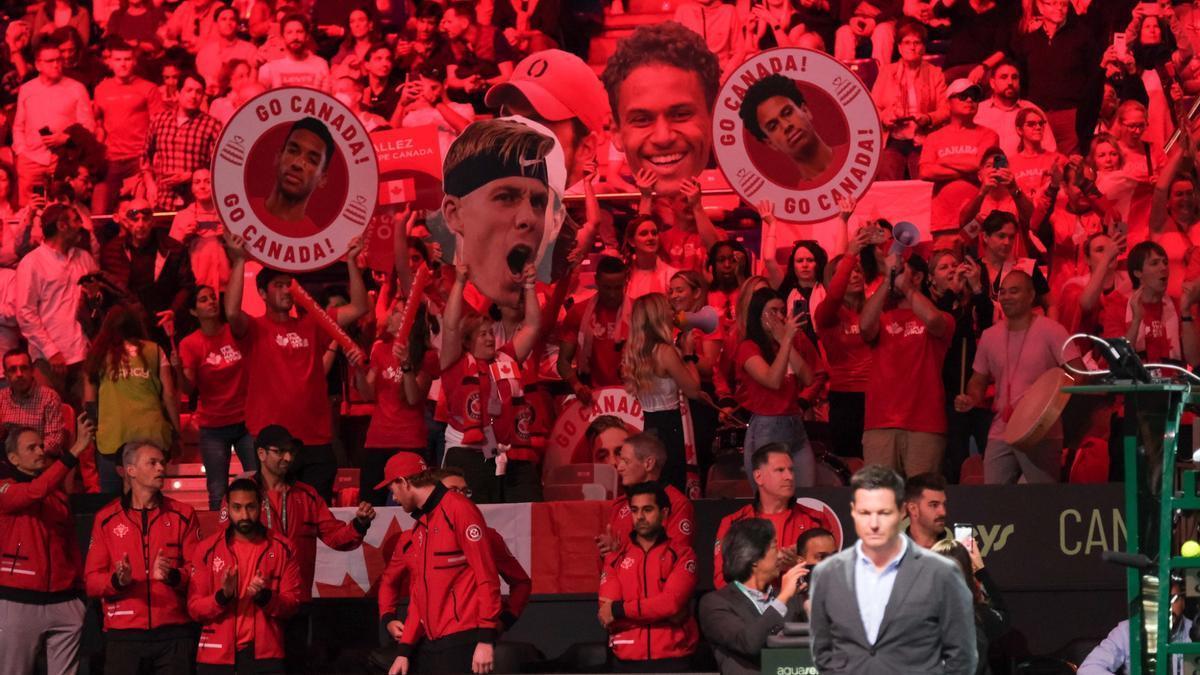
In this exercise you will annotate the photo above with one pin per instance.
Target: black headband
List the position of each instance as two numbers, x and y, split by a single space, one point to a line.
479 170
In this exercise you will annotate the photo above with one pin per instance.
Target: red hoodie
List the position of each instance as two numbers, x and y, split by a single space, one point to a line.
120 530
39 554
455 588
217 614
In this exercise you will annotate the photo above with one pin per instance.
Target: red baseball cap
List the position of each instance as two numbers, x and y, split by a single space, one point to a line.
402 465
559 86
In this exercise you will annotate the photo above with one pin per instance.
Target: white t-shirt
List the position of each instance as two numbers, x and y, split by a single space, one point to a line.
312 72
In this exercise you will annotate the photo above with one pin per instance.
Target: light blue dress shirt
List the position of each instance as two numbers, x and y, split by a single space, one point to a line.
762 600
873 587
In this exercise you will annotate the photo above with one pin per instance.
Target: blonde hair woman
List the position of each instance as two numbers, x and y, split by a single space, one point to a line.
656 372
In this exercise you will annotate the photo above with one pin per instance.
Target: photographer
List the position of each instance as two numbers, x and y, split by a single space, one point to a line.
737 619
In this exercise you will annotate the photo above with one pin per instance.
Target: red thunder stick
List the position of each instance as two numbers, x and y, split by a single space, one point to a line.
328 324
420 281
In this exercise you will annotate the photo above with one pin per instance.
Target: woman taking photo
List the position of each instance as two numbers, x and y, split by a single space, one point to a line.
130 379
210 365
648 273
398 380
801 286
846 353
737 619
992 619
656 372
773 363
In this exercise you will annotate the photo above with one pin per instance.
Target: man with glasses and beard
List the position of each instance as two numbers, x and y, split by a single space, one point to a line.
294 510
245 584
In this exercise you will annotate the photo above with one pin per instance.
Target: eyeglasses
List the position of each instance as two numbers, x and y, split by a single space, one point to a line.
282 451
139 214
466 492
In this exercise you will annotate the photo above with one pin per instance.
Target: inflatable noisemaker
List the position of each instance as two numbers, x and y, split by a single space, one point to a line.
327 323
415 298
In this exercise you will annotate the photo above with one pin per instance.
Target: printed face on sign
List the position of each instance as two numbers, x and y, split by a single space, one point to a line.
295 175
799 129
497 195
663 123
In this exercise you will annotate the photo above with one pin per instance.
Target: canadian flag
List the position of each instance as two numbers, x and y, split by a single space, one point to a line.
399 191
503 370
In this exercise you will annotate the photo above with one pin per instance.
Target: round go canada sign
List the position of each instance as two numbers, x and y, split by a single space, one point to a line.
799 129
295 175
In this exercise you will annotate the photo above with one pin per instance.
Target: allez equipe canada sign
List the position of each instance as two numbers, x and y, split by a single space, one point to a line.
295 175
797 128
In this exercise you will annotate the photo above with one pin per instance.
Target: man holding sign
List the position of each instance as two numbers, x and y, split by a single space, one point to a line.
286 379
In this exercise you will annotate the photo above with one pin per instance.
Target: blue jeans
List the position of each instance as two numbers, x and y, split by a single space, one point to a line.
215 443
786 429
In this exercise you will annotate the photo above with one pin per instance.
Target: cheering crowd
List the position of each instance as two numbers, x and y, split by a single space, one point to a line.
1056 135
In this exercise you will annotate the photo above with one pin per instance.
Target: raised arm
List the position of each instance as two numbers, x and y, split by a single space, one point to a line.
709 234
452 318
235 246
359 304
868 321
527 335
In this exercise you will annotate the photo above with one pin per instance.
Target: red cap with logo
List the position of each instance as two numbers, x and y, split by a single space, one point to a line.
402 465
559 86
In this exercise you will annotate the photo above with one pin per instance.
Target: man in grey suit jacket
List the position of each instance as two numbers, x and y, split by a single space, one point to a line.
886 606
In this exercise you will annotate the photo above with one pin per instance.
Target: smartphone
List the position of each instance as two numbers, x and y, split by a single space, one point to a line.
963 532
44 131
1149 8
800 307
1119 45
92 410
1118 228
39 190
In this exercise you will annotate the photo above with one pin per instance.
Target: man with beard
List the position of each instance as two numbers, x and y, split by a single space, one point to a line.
646 591
300 167
26 403
775 112
999 113
245 585
727 277
496 185
182 139
662 82
149 264
1013 355
137 566
925 505
295 511
40 587
285 363
298 67
455 613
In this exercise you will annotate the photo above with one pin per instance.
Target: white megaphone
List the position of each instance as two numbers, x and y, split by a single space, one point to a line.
906 235
704 320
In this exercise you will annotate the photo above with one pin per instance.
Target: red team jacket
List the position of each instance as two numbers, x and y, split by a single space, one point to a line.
679 522
39 554
455 588
218 620
651 591
120 530
800 519
396 577
302 517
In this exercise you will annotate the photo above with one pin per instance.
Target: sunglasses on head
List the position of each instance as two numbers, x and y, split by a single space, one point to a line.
135 214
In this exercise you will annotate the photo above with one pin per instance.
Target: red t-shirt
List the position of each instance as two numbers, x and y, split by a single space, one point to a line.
905 390
605 365
396 424
217 363
247 554
287 378
1158 345
762 400
1107 320
127 110
846 353
683 250
959 148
